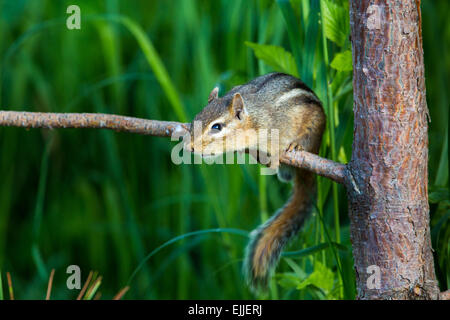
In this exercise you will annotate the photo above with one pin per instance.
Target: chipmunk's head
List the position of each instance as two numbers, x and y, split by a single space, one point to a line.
221 126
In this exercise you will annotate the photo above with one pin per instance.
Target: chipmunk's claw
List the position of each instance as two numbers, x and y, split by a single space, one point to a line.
294 146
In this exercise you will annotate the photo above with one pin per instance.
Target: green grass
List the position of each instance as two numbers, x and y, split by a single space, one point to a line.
115 203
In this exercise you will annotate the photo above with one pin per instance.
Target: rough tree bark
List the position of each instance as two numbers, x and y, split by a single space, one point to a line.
387 175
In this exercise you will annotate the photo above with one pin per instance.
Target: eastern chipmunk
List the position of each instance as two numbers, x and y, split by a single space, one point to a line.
273 101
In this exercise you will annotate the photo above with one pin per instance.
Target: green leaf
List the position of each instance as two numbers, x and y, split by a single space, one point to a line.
438 194
296 268
275 56
288 280
342 157
336 22
322 278
343 61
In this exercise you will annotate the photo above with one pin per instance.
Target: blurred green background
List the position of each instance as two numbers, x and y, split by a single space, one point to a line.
110 202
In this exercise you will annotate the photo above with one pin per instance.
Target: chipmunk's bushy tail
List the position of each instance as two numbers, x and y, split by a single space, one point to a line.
267 241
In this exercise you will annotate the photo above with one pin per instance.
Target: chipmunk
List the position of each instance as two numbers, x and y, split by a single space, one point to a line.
272 101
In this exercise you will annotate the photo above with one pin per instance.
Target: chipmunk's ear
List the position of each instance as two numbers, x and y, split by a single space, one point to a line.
237 106
214 94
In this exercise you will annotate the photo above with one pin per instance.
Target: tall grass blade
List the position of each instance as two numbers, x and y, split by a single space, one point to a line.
183 236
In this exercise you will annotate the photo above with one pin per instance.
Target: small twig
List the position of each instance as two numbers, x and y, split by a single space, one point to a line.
50 284
301 159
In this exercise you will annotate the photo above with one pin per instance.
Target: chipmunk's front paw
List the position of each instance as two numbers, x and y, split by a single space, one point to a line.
294 146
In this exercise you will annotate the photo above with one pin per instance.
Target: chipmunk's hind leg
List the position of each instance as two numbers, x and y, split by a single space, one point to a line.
308 135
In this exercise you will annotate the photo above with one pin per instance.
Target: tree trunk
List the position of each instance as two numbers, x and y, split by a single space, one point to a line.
387 177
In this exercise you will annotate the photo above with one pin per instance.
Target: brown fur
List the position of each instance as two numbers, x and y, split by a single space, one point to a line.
273 101
265 247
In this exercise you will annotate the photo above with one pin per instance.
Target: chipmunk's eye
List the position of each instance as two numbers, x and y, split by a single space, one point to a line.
217 126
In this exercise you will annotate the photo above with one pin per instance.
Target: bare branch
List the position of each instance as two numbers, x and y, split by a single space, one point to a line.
89 120
321 166
301 159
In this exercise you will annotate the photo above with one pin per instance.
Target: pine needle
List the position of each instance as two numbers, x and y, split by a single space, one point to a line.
50 284
83 290
10 287
121 293
93 288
